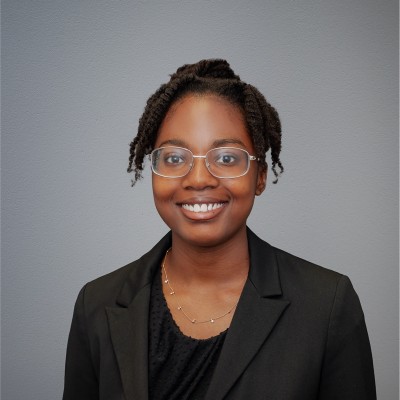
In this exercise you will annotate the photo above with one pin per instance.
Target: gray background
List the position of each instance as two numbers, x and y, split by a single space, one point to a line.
75 78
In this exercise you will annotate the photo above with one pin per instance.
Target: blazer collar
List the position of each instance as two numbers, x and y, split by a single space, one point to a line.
265 280
264 271
143 271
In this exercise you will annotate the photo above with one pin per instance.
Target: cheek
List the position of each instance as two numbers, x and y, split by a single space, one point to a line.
244 187
244 193
163 190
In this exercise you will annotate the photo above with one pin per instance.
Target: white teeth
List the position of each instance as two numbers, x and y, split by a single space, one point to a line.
202 207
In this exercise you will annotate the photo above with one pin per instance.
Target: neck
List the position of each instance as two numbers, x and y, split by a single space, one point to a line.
218 265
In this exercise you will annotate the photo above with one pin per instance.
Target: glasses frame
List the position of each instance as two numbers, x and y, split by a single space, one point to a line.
249 157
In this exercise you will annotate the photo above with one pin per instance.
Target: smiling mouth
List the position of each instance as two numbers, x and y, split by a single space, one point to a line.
202 207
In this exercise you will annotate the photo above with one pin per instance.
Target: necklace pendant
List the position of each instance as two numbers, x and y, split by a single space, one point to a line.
193 321
212 321
179 308
166 281
172 292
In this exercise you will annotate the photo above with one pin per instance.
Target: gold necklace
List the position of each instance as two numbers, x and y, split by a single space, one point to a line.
180 308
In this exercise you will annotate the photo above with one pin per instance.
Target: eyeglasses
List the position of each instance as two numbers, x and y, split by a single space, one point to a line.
221 162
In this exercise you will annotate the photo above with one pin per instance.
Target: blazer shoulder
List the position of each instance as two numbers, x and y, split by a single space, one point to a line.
104 290
277 272
310 284
114 277
122 284
295 264
302 278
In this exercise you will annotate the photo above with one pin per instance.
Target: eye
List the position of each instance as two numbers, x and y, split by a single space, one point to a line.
226 159
174 159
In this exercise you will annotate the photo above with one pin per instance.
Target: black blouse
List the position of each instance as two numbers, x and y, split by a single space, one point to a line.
180 367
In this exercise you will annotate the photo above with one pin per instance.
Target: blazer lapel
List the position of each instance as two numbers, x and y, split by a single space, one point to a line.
128 327
257 313
128 323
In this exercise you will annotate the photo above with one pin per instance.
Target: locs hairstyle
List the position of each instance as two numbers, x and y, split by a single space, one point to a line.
209 77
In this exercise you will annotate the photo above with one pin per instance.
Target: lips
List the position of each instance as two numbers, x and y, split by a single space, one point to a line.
202 207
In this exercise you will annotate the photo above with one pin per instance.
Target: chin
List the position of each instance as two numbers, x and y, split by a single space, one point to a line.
208 236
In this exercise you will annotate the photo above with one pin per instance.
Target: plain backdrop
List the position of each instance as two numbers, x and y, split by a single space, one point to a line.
75 79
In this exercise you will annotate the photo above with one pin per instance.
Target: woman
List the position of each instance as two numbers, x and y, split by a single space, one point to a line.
212 311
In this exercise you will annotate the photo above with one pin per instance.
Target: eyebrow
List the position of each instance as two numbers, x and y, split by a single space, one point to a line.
222 142
174 142
216 143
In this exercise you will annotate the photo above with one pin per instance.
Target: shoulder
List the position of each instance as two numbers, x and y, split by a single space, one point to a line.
317 295
319 288
298 280
103 291
271 263
106 288
305 273
122 284
302 279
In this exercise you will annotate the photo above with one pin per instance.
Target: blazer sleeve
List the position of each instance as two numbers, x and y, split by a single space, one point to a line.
347 372
80 381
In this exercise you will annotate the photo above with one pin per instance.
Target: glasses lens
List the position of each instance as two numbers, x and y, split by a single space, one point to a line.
228 162
171 161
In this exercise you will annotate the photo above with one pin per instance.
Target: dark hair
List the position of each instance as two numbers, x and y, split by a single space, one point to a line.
217 78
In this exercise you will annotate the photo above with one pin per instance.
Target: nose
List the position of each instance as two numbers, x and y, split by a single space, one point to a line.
199 177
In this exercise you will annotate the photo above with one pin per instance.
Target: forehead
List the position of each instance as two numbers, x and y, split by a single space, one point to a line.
199 121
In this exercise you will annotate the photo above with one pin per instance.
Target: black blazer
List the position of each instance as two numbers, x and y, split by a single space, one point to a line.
298 333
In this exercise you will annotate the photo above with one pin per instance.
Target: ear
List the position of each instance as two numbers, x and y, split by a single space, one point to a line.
261 180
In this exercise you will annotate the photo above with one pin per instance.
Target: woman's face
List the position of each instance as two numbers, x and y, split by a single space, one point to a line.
201 123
